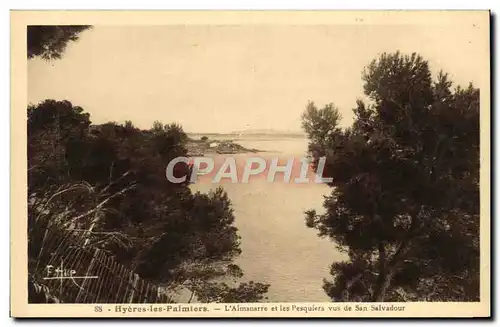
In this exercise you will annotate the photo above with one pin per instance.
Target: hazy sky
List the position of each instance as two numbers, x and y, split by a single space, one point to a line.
226 78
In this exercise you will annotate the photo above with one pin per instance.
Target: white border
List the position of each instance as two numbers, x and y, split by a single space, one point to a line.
183 4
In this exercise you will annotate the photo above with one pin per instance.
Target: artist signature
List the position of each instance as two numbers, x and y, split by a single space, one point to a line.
62 273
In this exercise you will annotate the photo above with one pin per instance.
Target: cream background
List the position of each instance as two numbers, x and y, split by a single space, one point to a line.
471 61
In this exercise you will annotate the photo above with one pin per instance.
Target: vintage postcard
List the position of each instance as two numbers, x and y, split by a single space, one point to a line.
250 164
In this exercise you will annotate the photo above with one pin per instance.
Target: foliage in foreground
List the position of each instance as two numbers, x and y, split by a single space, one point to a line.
50 41
405 198
108 183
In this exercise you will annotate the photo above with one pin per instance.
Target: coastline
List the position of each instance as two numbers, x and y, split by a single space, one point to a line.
203 147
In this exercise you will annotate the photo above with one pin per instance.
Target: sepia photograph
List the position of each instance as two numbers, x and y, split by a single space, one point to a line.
265 164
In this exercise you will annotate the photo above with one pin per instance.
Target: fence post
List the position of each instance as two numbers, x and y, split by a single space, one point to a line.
134 286
87 274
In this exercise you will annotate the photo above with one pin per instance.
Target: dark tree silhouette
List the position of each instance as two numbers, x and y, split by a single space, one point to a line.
405 199
49 42
113 178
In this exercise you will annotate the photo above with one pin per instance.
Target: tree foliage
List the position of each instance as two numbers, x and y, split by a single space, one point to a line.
50 41
405 198
109 181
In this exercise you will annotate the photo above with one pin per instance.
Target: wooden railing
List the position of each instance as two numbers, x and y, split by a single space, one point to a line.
75 273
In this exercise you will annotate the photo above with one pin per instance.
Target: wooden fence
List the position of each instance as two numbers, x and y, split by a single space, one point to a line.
88 274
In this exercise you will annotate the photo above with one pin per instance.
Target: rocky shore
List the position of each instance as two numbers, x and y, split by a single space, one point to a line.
202 147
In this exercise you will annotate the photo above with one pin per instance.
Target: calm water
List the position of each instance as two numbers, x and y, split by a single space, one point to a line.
277 246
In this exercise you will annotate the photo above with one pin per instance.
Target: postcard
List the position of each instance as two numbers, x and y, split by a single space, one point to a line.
262 164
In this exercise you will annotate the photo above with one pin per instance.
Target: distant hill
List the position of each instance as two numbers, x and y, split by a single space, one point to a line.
251 133
267 132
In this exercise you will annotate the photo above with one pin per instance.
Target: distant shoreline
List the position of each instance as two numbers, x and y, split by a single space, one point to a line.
245 135
198 147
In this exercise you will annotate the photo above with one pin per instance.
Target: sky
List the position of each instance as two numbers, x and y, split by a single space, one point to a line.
230 78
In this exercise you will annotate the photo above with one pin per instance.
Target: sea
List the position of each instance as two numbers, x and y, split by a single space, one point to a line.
277 247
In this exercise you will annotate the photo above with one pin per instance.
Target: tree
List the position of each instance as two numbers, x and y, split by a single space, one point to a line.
50 41
52 125
109 181
405 198
129 124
